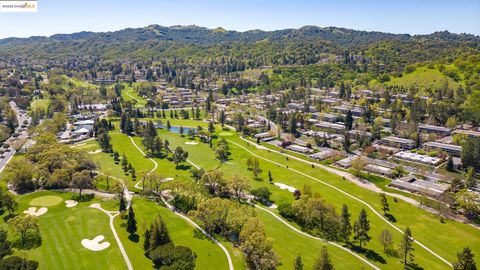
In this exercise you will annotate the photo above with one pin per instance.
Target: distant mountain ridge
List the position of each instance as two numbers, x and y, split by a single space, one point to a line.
130 40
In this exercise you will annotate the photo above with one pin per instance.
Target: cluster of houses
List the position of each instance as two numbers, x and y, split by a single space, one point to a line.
180 97
421 158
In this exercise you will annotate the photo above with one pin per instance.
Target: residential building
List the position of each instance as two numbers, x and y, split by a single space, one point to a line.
451 149
405 144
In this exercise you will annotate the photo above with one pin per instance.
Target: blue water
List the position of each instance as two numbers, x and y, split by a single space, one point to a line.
176 129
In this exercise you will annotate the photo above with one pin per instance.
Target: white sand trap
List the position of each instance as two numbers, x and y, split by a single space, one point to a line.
191 143
95 152
94 244
273 206
71 203
32 211
167 179
283 186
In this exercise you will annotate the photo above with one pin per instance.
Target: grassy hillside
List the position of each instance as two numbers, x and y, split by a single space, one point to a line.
428 79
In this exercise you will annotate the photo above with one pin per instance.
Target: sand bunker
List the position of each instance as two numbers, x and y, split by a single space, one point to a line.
95 152
191 143
167 179
283 186
273 206
32 211
94 244
71 203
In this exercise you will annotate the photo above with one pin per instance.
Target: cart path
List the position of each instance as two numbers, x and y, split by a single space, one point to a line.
112 215
229 258
346 194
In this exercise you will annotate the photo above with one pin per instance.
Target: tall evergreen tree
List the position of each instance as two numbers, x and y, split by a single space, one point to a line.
298 264
222 117
406 247
384 202
349 120
361 228
345 225
131 222
323 262
465 260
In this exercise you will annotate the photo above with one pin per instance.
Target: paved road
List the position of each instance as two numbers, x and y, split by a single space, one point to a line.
21 117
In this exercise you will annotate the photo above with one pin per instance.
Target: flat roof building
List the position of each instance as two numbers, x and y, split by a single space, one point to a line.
397 142
416 185
469 133
434 129
379 170
451 149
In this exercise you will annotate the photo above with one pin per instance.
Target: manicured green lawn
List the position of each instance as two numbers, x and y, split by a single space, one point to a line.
129 94
48 200
41 103
62 230
209 255
282 236
425 226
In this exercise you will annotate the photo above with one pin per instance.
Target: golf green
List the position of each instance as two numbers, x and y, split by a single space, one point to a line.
225 134
46 201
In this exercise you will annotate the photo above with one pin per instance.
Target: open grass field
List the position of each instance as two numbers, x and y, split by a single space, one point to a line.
62 230
41 103
425 226
129 94
283 237
424 78
287 243
281 234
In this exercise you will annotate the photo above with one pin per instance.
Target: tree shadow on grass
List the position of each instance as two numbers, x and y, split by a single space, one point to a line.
413 266
183 167
391 218
198 234
134 238
32 240
8 216
370 254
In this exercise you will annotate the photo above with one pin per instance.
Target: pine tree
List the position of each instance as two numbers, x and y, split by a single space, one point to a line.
292 124
384 202
465 260
298 265
323 262
270 178
211 127
449 165
122 207
131 222
222 117
406 247
158 233
345 225
361 228
349 120
146 243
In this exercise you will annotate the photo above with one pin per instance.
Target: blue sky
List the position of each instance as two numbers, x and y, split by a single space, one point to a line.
394 16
